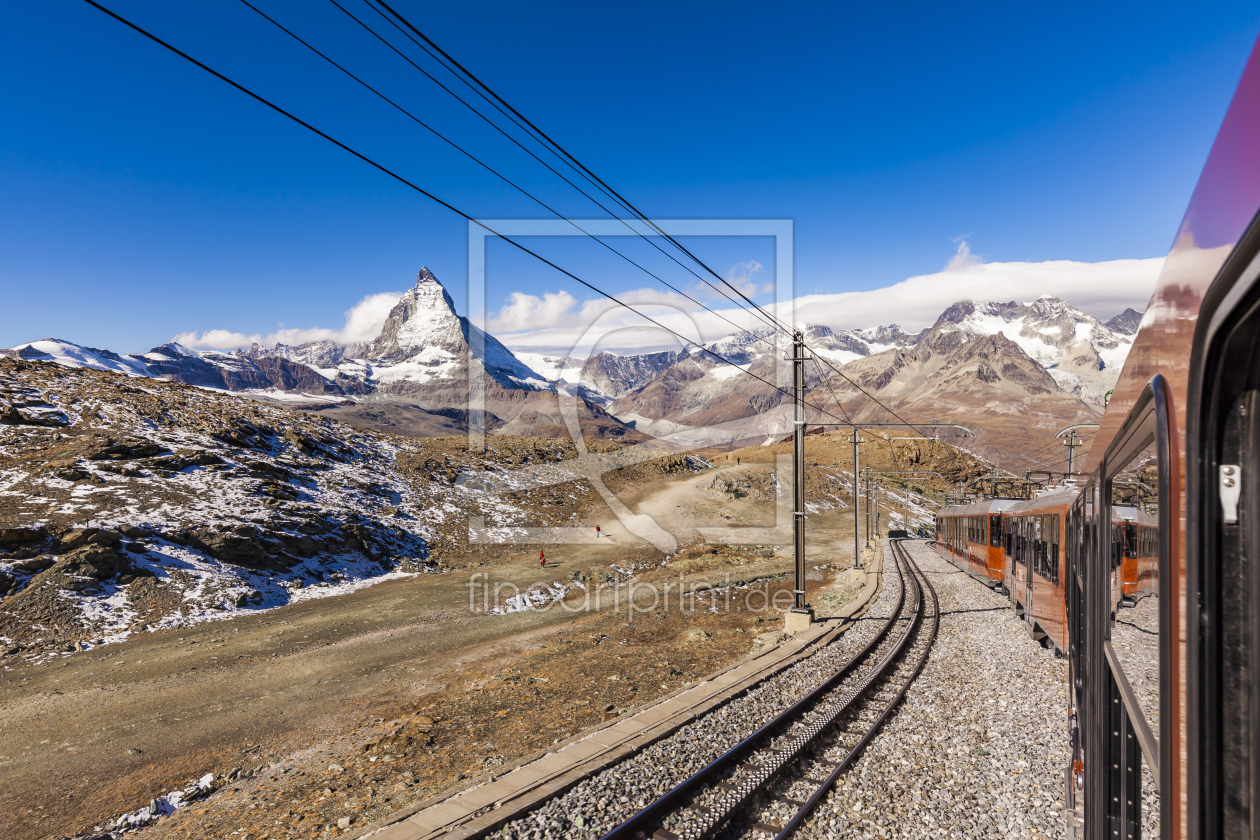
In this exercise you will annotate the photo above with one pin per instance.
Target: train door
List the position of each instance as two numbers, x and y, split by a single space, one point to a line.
1079 545
1016 558
1223 555
993 563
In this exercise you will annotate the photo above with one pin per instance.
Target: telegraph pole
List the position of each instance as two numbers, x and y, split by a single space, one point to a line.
874 511
857 495
801 615
869 501
1071 443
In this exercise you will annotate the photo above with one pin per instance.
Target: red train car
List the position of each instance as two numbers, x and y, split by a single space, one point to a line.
1036 564
971 537
1134 552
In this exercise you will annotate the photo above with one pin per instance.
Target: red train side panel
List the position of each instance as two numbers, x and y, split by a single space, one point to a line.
1036 571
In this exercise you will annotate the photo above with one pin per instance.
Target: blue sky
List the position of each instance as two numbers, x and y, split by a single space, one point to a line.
143 198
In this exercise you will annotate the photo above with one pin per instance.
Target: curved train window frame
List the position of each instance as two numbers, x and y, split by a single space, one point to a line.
1148 422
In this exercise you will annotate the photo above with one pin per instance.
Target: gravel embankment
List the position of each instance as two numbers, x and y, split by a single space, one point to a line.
980 745
602 802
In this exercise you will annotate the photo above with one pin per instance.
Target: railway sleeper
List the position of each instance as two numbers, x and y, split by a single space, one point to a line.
749 782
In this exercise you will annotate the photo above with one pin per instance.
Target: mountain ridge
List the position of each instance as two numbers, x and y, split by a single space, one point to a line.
414 376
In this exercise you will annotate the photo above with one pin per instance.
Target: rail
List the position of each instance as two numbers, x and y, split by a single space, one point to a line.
740 774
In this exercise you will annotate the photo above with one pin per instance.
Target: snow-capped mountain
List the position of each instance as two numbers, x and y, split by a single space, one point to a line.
424 343
1082 354
1008 371
412 378
608 376
840 346
1126 323
421 358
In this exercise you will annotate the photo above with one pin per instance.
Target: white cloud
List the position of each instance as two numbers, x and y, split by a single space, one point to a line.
364 321
524 311
963 258
1102 289
530 313
216 339
743 276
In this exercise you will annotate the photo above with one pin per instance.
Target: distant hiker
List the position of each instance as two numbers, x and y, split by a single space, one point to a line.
737 462
596 532
542 557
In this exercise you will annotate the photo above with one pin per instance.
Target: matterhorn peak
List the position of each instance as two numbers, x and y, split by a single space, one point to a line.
423 318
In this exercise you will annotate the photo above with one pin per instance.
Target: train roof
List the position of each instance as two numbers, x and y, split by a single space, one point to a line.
1053 499
978 507
1130 513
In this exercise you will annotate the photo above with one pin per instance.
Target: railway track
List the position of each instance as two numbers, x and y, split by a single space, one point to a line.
768 783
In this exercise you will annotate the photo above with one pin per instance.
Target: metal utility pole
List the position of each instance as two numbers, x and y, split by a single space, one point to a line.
1071 443
800 616
875 510
857 494
866 503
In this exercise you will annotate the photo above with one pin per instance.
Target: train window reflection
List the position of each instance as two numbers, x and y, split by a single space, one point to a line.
1134 574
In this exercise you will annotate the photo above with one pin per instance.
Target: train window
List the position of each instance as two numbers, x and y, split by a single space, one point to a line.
1134 497
995 531
1129 586
1021 550
1053 569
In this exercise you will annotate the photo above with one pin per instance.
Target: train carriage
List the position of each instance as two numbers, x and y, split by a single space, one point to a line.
1036 564
971 536
1134 551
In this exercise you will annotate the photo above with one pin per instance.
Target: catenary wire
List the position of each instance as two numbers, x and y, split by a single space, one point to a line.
625 202
763 316
869 395
482 163
434 198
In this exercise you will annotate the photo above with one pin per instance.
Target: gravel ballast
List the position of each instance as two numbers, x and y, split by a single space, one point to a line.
600 803
979 747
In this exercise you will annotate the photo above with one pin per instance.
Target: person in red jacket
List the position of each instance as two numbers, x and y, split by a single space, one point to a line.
543 558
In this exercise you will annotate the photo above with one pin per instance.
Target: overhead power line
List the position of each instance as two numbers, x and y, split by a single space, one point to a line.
622 199
482 163
435 198
786 328
763 316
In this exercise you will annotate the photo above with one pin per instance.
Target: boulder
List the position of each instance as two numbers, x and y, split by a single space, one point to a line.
34 564
111 449
13 537
79 537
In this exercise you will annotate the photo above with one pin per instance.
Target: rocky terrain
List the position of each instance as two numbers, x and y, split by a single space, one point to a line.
129 503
